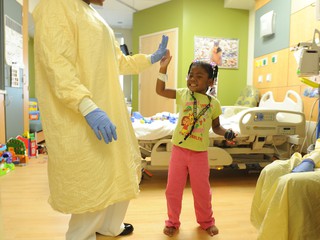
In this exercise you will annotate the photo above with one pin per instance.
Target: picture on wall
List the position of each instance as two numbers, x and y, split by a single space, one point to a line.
205 49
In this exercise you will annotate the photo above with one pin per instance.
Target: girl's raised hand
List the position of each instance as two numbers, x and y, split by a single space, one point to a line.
165 60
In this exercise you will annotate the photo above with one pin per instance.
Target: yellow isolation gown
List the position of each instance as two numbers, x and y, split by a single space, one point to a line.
77 56
286 205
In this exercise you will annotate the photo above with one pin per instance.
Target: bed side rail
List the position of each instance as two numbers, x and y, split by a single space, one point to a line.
272 122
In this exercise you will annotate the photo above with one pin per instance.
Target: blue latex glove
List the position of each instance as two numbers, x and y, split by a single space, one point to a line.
306 165
155 57
101 125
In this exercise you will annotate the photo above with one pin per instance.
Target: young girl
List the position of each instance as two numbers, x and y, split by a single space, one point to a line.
197 113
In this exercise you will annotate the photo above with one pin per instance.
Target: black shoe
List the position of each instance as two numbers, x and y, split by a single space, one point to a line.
128 229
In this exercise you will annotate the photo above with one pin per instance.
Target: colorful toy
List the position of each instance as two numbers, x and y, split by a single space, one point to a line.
6 168
7 156
6 164
3 147
18 151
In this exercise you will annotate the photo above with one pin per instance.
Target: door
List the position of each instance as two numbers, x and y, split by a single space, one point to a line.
149 102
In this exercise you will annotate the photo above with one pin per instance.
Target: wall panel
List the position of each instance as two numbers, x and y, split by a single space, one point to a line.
299 30
275 65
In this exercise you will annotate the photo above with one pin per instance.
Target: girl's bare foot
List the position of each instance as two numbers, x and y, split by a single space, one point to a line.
213 230
170 231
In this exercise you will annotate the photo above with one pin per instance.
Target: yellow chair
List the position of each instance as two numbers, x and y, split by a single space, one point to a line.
249 97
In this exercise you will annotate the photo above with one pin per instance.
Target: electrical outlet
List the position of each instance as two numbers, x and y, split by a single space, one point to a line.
269 77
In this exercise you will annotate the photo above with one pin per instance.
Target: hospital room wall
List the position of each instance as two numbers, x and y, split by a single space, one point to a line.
274 64
197 18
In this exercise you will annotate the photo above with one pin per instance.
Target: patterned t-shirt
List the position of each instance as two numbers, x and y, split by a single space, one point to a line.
199 138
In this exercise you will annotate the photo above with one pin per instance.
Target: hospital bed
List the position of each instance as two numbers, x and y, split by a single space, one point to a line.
270 131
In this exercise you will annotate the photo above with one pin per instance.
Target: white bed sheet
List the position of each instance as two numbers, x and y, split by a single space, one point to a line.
157 129
154 128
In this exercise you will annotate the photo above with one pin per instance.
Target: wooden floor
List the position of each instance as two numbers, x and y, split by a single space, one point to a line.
25 213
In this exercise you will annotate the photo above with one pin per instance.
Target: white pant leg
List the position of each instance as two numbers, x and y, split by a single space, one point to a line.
83 226
113 221
108 221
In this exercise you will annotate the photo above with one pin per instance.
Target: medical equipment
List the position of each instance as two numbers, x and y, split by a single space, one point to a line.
309 57
309 66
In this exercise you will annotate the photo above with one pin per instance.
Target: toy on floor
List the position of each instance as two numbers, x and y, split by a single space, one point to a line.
6 164
42 149
18 151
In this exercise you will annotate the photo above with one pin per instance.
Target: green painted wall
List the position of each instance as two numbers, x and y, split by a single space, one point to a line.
197 18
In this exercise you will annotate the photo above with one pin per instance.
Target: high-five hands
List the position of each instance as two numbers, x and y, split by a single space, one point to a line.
156 57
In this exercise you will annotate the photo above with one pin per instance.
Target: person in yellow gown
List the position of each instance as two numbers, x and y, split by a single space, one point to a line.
286 198
94 159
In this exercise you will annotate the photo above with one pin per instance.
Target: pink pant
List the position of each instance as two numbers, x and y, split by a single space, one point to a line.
182 163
